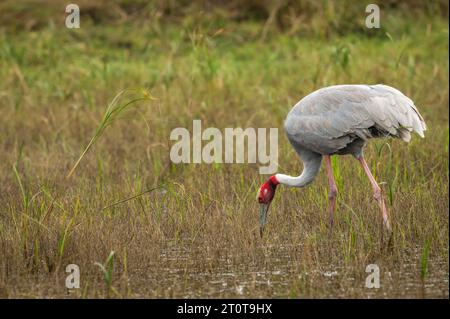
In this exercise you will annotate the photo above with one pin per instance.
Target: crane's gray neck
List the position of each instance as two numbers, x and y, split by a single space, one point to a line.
311 166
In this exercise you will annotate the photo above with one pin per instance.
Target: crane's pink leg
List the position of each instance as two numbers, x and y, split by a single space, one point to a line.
377 194
332 194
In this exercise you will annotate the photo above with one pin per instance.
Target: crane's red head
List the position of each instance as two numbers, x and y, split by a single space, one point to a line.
265 195
267 190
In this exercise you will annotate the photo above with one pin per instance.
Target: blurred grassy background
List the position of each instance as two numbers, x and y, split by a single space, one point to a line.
230 64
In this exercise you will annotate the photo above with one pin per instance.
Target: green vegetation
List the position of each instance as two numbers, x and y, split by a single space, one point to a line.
230 67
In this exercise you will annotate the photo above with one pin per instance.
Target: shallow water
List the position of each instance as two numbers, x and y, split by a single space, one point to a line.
184 273
183 276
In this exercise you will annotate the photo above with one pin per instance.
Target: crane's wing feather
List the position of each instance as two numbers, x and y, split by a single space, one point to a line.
329 119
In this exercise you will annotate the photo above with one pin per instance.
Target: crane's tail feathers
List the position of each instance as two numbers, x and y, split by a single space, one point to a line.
404 135
403 111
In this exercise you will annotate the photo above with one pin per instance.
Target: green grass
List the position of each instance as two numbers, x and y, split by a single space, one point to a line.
198 235
112 113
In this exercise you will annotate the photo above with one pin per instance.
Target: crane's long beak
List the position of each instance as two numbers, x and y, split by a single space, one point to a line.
263 208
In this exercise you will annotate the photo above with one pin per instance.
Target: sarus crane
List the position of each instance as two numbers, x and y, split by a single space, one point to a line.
339 120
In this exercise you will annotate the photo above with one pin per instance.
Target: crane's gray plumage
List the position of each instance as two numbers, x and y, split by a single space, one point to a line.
340 119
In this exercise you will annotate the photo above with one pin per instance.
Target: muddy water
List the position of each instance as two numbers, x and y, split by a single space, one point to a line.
178 274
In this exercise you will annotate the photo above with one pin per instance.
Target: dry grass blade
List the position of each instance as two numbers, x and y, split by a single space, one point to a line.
132 197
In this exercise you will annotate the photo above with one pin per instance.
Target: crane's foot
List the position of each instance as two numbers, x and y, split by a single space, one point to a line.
333 191
386 231
331 214
378 195
387 239
332 195
330 226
